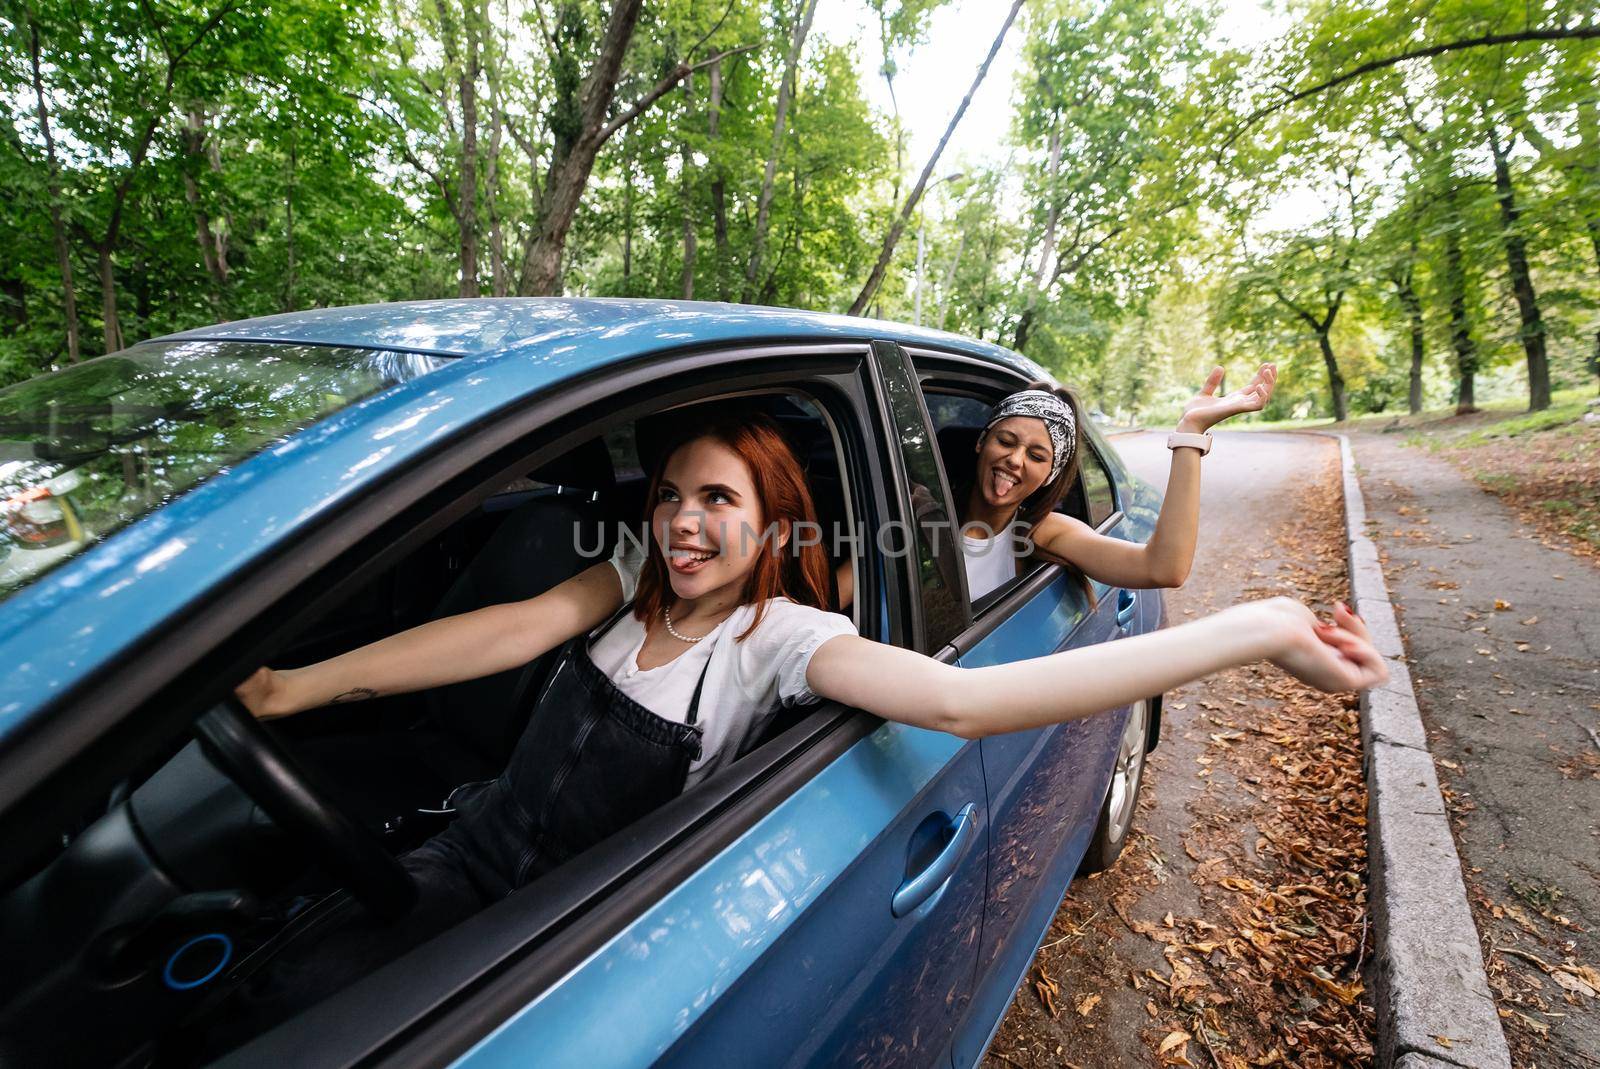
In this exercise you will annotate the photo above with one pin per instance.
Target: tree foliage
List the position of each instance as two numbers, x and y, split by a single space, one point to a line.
1398 200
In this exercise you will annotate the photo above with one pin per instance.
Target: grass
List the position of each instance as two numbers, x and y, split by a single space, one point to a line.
1510 416
1567 408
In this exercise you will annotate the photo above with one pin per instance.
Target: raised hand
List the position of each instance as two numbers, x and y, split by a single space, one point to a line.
1205 409
1337 656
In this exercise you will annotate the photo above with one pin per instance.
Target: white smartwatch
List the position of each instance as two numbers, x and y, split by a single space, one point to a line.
1184 440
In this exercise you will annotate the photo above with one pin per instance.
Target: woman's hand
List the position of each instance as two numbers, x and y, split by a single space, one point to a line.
1205 410
1331 657
262 694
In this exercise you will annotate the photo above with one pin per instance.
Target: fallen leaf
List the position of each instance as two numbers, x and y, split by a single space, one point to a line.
1538 1026
1174 1039
1345 993
1572 983
1530 621
1085 1006
1501 606
1046 996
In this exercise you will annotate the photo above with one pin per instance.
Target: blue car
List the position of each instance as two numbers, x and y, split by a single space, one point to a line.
275 491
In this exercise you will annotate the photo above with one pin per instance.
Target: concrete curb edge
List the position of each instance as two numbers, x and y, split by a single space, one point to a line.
1430 981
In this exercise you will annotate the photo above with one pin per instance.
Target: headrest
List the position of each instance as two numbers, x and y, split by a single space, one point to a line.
586 467
653 434
958 443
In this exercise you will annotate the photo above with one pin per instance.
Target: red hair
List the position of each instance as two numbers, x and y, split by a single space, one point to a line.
800 573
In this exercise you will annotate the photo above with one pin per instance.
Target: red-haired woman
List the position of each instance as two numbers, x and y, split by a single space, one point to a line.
729 622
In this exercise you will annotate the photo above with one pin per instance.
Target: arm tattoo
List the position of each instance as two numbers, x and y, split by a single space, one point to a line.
354 694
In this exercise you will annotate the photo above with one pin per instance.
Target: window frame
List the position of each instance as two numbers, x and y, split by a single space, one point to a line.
151 700
891 368
1110 520
973 376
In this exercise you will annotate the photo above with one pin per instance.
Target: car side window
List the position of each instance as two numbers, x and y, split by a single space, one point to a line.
1099 491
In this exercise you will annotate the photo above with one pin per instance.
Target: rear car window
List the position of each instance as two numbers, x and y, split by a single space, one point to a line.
89 449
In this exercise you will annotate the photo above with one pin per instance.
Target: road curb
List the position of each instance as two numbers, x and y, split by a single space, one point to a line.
1433 1002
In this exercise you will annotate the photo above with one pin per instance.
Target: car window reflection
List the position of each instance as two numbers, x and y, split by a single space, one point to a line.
86 450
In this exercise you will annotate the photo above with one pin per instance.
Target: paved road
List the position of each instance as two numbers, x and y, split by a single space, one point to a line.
1193 807
1503 634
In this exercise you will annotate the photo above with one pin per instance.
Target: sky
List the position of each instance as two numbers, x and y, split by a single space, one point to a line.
932 77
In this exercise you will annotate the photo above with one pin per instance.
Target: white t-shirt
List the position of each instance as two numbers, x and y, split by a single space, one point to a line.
746 680
991 563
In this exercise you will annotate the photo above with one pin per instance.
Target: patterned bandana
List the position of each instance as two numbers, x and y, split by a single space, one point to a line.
1057 418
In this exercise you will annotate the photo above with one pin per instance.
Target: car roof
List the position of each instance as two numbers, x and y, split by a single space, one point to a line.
109 599
616 328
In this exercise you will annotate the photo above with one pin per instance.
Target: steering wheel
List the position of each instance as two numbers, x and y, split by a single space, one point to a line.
238 745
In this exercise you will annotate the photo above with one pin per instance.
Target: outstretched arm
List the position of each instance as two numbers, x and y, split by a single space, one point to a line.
1165 560
466 646
911 688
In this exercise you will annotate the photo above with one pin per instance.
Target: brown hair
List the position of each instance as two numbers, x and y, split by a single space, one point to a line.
1043 501
800 573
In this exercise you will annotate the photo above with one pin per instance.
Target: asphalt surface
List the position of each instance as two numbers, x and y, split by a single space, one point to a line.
1503 637
1193 808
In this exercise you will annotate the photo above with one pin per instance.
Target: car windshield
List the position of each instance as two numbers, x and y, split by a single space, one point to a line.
92 447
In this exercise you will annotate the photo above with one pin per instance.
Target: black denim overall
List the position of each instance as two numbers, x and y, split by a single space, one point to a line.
590 761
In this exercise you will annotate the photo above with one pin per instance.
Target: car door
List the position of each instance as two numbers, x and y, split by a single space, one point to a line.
840 928
1045 787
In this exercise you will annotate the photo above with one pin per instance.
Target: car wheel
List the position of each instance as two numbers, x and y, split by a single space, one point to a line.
1122 796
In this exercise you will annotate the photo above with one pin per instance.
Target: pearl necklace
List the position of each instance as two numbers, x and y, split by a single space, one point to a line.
667 613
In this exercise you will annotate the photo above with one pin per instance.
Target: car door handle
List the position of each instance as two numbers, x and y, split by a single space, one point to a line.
1126 603
931 880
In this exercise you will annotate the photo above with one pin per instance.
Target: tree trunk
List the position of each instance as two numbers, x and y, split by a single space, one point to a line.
108 301
949 278
875 279
1532 333
1593 223
1413 307
1341 407
288 229
491 164
719 203
577 141
1455 281
685 159
69 292
1047 245
213 242
786 90
1019 337
468 67
13 304
627 224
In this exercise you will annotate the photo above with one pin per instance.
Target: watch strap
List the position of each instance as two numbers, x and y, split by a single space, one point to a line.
1183 439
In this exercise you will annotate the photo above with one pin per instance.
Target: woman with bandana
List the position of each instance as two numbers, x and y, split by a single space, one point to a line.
1027 460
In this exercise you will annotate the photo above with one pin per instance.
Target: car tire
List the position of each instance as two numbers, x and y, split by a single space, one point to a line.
1122 793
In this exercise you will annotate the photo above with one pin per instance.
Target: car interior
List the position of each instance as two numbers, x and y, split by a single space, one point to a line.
179 846
387 763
